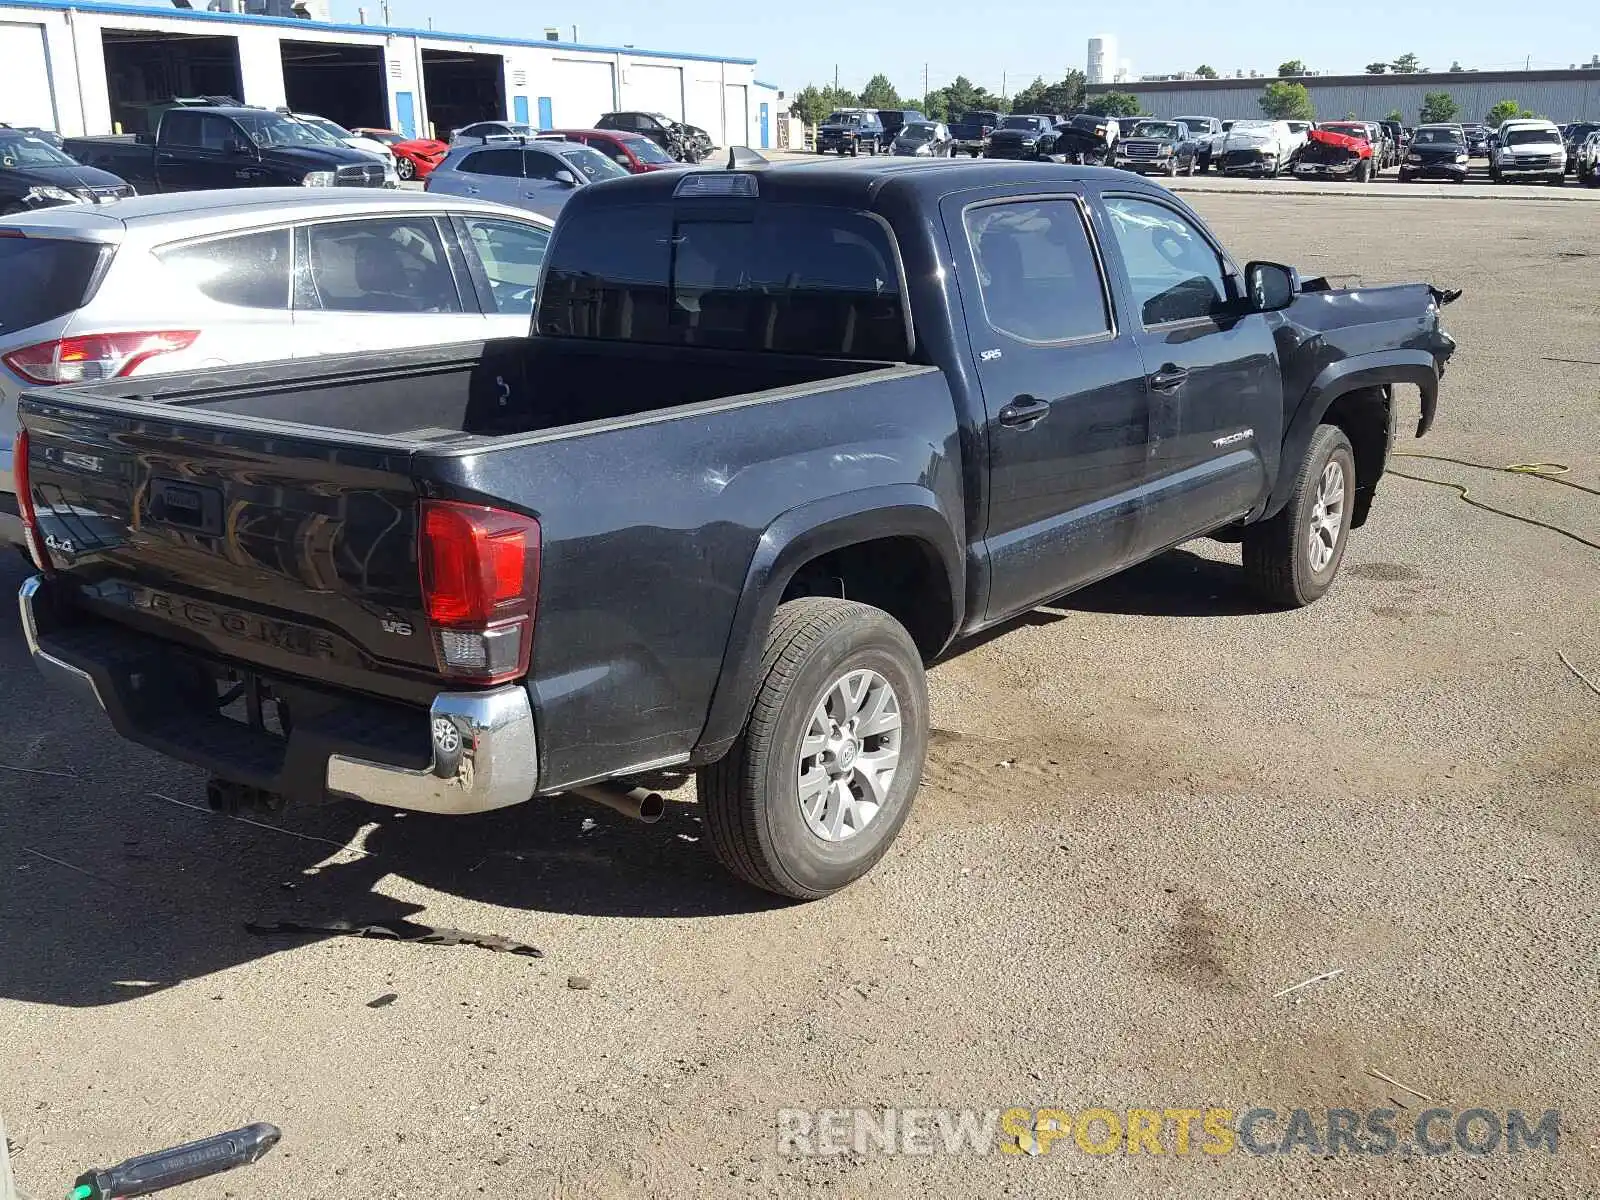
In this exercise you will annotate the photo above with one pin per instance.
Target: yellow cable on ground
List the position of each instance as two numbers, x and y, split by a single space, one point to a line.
1549 472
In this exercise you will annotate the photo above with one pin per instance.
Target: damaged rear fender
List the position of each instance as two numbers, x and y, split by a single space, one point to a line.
1379 370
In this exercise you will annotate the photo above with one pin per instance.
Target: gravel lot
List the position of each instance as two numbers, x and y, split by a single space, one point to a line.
1149 808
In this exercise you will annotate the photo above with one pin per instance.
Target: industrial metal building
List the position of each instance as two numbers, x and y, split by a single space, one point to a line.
90 67
1560 95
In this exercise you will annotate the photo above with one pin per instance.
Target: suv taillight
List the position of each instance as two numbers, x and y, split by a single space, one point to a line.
480 587
19 480
93 357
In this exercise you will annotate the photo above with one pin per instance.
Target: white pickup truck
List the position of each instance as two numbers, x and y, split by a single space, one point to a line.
1261 147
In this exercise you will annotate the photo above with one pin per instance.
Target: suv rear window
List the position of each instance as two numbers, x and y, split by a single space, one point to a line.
780 278
45 278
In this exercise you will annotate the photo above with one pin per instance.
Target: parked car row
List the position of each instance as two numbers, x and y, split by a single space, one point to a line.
455 555
856 131
680 142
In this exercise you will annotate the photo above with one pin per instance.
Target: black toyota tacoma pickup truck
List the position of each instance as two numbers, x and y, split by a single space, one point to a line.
780 437
201 148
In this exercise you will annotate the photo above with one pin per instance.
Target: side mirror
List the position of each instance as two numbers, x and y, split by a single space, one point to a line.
566 179
1270 287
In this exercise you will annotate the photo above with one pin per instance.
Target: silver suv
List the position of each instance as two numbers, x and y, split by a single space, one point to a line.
192 280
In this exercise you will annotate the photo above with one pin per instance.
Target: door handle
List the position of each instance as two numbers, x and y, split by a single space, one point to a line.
1024 410
1169 378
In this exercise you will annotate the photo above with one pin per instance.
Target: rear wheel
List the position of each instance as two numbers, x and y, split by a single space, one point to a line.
822 778
1404 176
1364 170
1293 558
405 168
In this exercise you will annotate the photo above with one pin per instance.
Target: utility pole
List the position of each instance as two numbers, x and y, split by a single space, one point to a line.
924 85
835 77
1002 85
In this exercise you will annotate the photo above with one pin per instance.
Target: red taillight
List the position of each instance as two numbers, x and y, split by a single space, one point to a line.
20 481
95 356
480 586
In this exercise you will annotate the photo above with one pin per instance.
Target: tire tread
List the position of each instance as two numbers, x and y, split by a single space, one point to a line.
1271 548
726 787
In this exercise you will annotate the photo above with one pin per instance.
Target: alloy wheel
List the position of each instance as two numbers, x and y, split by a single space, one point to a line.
849 755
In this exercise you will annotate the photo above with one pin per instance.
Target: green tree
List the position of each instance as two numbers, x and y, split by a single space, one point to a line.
936 106
1407 64
1287 102
1505 110
1206 72
1438 107
961 96
1396 116
1064 96
1293 67
813 104
880 93
1113 104
1377 68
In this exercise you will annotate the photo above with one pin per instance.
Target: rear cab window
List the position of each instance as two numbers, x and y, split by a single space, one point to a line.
740 275
45 278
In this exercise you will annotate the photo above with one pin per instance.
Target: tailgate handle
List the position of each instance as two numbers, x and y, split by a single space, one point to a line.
186 506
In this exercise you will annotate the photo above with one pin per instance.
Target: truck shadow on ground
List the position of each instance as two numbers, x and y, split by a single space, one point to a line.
1178 583
115 881
107 905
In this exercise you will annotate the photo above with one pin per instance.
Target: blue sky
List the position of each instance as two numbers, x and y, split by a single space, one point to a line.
1014 41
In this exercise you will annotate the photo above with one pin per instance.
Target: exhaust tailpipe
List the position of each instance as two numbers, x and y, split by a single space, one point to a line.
639 804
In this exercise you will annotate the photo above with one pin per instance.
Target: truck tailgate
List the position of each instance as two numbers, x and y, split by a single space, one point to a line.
265 546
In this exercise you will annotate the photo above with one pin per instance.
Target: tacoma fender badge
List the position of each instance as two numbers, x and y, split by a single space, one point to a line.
1243 435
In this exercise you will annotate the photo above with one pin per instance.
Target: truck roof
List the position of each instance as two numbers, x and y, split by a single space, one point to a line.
857 181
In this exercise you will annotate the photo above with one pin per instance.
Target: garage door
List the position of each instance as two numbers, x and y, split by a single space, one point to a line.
581 90
656 90
25 83
705 107
736 110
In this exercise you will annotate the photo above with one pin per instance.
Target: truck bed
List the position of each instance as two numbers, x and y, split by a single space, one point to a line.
491 389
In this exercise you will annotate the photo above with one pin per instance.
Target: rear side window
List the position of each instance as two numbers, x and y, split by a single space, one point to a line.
1037 270
504 163
179 128
252 271
782 278
389 265
44 278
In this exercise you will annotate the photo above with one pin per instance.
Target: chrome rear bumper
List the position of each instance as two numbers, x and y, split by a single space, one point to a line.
483 755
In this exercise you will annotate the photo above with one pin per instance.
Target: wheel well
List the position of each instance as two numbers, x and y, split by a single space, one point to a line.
901 575
1363 414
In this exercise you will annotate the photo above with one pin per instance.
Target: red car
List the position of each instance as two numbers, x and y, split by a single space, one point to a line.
414 158
633 152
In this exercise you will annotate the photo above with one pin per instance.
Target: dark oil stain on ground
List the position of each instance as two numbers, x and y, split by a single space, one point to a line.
1194 950
1383 572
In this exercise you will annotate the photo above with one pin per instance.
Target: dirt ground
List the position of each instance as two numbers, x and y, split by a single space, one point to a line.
1149 808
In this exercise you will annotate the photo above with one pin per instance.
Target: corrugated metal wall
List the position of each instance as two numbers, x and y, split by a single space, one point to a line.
1574 96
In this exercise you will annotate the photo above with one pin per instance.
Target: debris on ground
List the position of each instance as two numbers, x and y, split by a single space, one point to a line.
399 931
